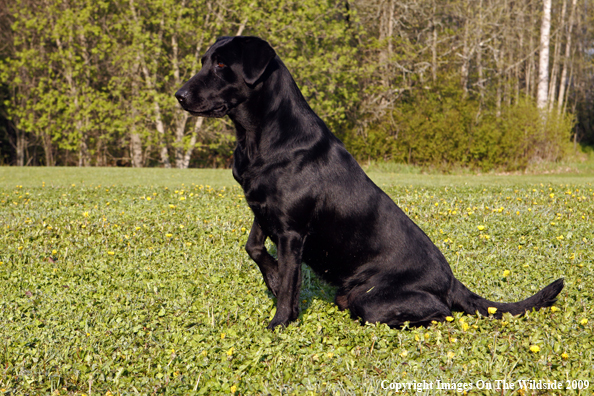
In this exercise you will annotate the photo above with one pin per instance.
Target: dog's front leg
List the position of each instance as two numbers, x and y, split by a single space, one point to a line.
290 249
267 264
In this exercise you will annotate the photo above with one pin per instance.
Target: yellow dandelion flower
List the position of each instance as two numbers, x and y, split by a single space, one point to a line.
20 248
451 354
172 206
54 251
506 273
465 326
85 214
242 229
111 253
449 318
330 355
554 309
534 348
491 310
584 322
233 389
222 336
148 198
481 227
560 237
230 351
168 235
403 354
565 356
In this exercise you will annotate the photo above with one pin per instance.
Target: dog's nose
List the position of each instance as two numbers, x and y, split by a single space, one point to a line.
182 96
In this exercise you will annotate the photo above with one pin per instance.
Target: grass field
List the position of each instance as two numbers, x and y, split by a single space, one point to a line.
122 281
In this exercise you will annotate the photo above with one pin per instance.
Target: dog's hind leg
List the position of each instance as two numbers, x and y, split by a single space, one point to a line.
257 251
383 305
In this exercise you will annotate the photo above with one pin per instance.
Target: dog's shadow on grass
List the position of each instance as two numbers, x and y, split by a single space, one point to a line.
312 288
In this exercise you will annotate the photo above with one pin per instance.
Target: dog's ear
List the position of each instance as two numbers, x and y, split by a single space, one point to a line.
256 55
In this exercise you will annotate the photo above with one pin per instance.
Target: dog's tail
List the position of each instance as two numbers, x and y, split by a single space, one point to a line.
470 303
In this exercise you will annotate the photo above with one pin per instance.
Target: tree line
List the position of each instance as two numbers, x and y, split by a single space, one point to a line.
479 83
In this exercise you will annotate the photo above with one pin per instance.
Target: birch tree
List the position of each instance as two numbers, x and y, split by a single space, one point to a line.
543 57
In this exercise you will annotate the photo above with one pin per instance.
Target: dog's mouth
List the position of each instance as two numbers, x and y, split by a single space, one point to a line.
215 112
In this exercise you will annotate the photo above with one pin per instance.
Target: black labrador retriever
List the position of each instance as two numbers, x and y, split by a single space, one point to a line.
313 200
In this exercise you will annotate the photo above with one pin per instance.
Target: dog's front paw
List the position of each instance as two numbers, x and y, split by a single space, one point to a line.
275 322
283 319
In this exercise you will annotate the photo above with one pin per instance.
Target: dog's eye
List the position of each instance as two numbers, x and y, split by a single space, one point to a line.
220 65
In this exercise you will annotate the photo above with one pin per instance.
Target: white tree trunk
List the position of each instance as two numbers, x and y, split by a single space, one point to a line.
135 148
21 146
193 140
556 55
465 58
164 154
543 61
563 81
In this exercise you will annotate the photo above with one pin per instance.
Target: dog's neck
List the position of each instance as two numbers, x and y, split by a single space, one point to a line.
275 102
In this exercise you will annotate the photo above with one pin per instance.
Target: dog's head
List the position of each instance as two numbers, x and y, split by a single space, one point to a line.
230 69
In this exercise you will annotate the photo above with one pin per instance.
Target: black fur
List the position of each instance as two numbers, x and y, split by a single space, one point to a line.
314 201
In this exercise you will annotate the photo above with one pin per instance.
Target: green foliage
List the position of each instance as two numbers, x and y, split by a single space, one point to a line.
92 82
85 75
215 152
58 74
317 41
443 129
149 290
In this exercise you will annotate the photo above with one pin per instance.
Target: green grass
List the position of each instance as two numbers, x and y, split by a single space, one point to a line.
382 174
105 291
157 177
